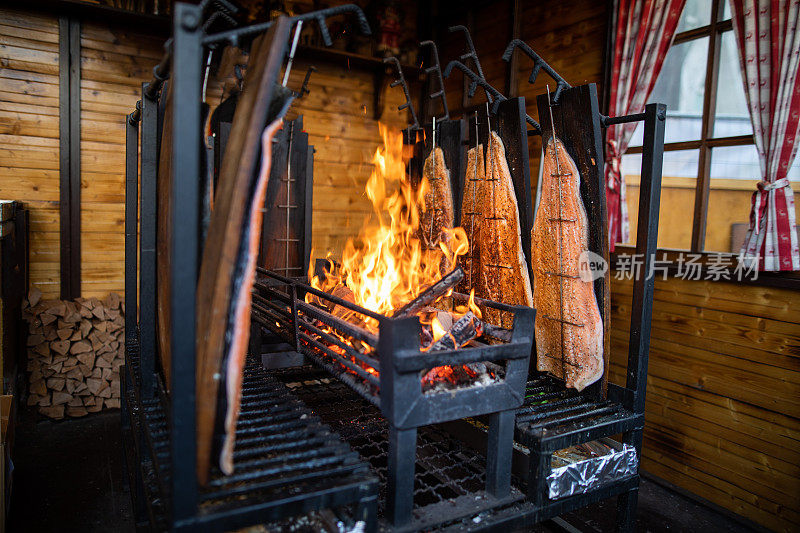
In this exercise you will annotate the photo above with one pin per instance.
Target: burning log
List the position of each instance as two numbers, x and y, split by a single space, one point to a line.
431 294
462 331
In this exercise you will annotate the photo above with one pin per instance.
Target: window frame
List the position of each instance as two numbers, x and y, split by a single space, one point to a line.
714 31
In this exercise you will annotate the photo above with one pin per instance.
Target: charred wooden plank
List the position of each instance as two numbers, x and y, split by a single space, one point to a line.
221 266
432 293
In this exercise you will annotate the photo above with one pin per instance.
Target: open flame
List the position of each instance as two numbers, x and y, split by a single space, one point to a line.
387 265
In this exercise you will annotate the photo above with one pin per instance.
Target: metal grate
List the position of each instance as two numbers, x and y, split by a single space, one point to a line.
550 410
445 468
283 451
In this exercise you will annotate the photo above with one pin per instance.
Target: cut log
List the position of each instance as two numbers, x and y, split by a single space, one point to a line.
33 340
34 295
94 385
86 326
60 347
56 411
39 387
56 383
46 400
64 333
75 373
75 402
112 300
107 374
89 401
56 367
97 373
85 370
98 312
71 385
77 412
50 333
104 392
47 318
61 397
432 293
112 403
42 349
102 362
33 399
463 330
85 312
97 407
80 347
87 359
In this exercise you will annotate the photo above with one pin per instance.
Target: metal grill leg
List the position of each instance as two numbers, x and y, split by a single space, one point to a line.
626 510
537 476
400 484
498 453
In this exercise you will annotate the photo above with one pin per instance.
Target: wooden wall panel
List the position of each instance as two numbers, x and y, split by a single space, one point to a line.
339 118
723 393
114 63
29 134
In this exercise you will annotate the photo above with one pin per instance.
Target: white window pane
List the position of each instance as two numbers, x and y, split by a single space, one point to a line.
697 13
734 174
677 196
731 116
726 11
681 86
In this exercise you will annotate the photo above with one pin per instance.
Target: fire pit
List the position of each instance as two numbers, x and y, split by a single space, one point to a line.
387 322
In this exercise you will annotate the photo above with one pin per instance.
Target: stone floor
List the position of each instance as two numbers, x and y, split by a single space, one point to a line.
68 477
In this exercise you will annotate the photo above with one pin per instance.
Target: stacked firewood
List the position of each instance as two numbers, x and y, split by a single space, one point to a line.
75 349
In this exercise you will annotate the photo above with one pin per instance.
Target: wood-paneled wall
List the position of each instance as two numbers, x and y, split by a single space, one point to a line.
114 64
723 393
339 118
29 155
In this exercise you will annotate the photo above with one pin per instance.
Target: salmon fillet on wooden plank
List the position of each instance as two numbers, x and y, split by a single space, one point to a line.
438 211
472 220
569 330
503 264
223 288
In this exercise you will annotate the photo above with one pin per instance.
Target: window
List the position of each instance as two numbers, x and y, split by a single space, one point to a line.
711 166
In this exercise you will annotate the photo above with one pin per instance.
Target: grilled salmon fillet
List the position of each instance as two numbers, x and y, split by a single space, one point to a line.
502 261
472 220
569 330
438 211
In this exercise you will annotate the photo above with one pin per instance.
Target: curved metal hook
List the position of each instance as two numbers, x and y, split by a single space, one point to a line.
538 64
478 81
401 80
437 69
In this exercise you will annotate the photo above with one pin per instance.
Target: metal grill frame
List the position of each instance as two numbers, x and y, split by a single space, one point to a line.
278 302
159 428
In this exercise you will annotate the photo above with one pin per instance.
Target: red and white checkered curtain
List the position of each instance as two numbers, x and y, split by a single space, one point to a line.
769 50
643 32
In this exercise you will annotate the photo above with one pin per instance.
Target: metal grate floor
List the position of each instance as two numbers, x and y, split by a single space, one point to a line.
446 469
284 456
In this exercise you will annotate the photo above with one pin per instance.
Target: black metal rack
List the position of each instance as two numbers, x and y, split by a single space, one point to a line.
287 462
388 376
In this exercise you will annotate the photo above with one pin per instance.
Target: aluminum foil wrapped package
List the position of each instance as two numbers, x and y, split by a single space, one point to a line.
579 468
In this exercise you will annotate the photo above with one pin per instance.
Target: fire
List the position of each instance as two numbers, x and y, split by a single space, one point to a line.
387 265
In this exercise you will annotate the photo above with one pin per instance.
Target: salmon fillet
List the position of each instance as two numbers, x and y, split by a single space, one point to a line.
438 210
569 330
472 220
502 261
241 320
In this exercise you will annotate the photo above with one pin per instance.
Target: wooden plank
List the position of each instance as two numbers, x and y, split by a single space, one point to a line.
225 230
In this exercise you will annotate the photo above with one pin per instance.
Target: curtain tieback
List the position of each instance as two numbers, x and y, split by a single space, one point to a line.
760 197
